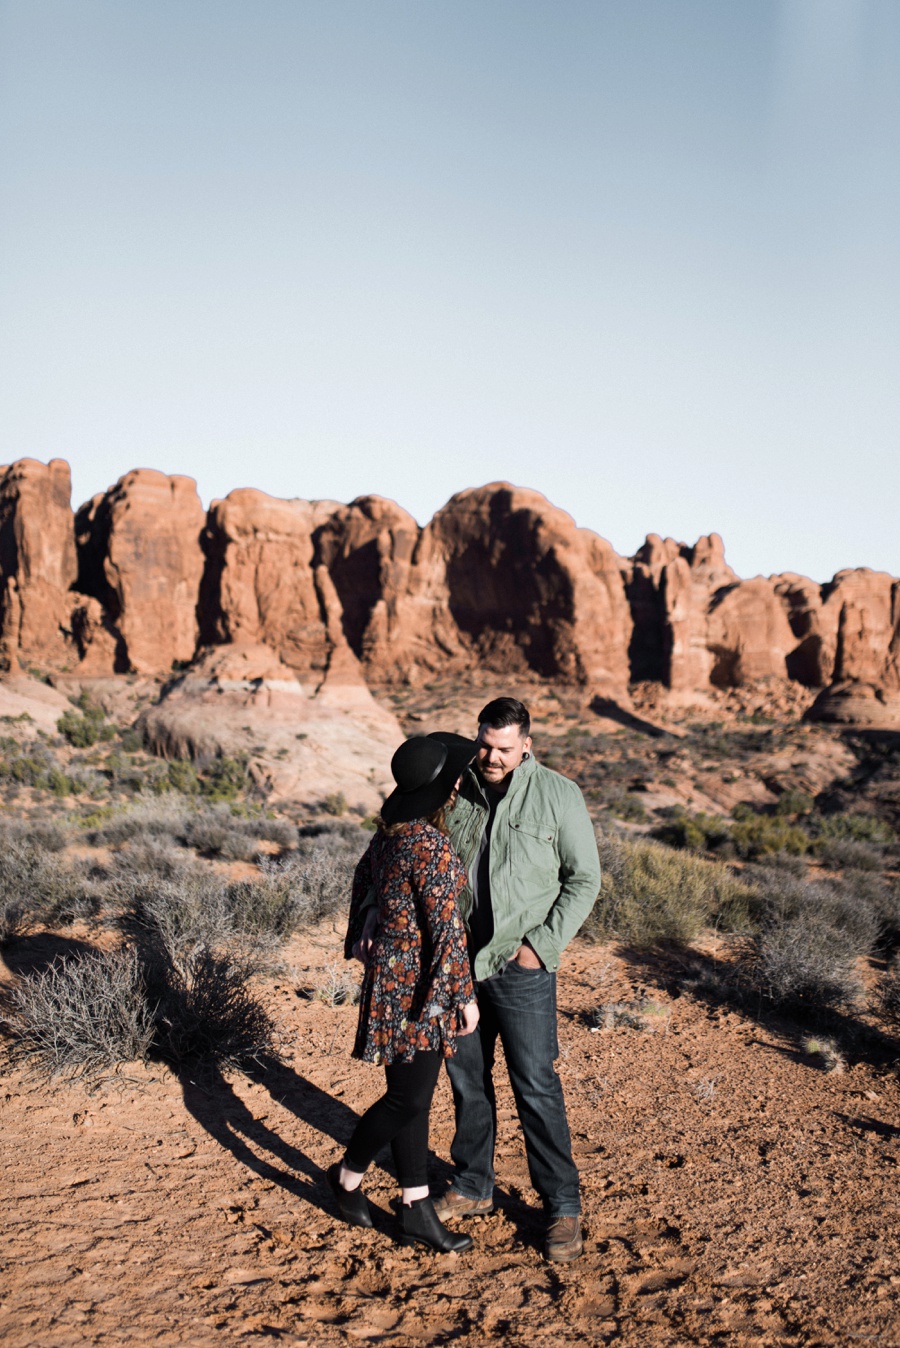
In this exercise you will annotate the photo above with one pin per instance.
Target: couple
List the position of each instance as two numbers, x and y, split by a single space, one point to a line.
484 864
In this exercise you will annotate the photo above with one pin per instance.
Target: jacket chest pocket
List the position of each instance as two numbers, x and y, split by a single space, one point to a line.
533 847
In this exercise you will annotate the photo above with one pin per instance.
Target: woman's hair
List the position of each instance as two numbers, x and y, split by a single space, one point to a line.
437 819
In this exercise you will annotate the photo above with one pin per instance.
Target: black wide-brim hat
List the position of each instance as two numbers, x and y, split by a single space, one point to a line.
426 769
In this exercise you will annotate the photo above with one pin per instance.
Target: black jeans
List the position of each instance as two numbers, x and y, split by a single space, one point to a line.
518 1006
401 1118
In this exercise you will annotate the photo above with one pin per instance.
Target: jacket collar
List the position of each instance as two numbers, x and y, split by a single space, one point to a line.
519 777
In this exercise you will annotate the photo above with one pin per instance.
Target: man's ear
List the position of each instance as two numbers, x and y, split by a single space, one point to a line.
527 749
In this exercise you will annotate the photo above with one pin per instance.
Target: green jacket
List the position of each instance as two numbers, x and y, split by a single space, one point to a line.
544 868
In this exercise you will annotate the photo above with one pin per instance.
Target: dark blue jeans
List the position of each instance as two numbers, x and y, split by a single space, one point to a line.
518 1006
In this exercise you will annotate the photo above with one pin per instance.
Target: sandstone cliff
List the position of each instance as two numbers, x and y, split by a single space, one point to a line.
143 580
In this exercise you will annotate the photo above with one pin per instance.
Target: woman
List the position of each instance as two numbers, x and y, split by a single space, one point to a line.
417 992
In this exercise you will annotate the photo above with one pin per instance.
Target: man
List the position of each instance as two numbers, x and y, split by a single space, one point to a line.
525 837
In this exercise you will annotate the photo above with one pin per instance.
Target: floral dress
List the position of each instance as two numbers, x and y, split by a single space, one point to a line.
417 975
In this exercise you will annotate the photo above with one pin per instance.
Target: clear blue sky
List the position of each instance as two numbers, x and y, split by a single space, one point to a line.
641 255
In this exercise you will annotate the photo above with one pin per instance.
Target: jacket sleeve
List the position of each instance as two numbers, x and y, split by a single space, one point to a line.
579 870
362 888
449 983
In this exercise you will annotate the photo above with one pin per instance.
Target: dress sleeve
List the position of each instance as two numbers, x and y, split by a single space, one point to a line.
442 878
362 883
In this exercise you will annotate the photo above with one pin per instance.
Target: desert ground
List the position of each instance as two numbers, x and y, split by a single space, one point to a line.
739 1185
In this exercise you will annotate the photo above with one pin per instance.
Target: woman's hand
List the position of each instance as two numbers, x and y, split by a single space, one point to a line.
468 1017
362 947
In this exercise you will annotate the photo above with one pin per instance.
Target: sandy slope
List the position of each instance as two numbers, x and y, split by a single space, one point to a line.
734 1194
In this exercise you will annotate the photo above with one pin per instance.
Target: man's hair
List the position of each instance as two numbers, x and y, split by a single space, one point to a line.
504 711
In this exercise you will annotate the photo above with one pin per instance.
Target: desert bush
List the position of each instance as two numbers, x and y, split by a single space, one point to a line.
794 802
756 835
149 817
91 727
38 887
887 997
206 1011
651 894
694 832
861 828
335 804
324 863
783 861
848 909
87 1015
132 740
224 778
48 835
811 935
847 854
36 766
280 831
804 962
217 832
82 1016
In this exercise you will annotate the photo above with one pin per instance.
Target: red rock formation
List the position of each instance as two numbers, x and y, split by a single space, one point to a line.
527 589
673 587
500 580
37 562
393 614
262 584
140 557
864 605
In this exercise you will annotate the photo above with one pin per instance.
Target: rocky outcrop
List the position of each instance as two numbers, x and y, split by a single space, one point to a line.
864 608
140 559
37 563
342 596
672 588
243 702
527 589
264 583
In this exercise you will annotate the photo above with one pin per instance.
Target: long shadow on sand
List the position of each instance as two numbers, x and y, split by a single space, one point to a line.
212 1100
712 982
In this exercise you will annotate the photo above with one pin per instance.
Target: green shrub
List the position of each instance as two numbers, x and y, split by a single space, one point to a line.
181 776
89 728
224 779
132 740
694 832
335 804
794 802
761 834
861 828
651 895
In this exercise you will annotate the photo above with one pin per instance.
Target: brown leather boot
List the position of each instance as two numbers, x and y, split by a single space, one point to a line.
563 1239
455 1204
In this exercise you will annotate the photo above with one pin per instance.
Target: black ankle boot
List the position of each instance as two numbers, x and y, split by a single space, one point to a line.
353 1203
422 1226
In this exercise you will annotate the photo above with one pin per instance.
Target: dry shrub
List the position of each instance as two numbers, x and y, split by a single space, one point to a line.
206 1011
38 887
804 955
848 854
888 993
651 895
87 1015
83 1016
164 816
804 962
